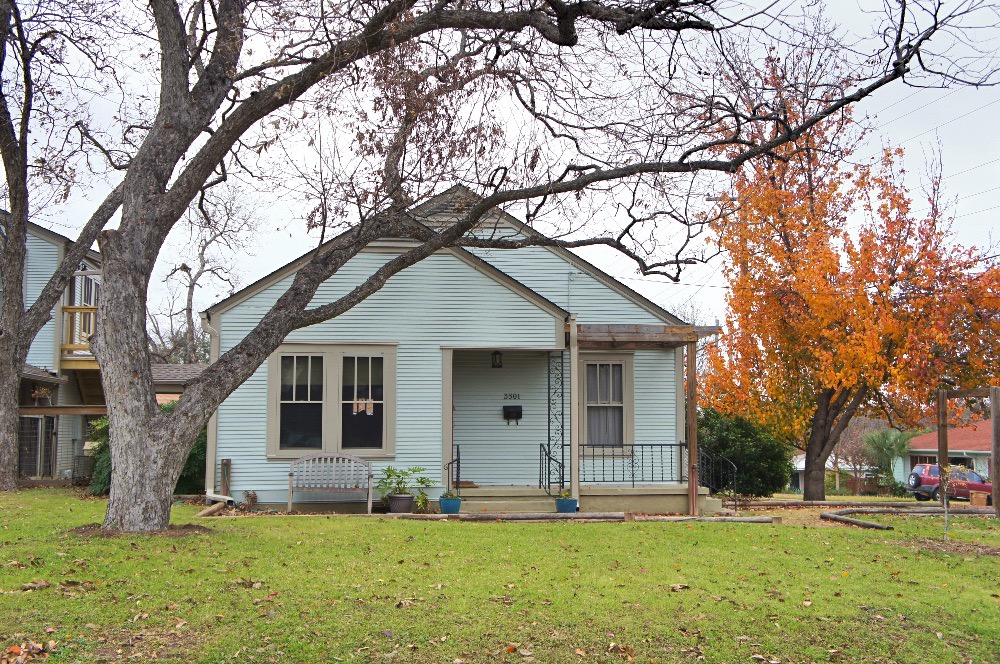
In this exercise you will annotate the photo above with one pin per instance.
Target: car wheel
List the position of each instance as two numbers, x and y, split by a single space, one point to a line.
922 497
913 481
936 495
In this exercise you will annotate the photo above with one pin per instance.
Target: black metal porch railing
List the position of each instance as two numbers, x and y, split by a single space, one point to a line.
551 471
453 470
719 475
644 463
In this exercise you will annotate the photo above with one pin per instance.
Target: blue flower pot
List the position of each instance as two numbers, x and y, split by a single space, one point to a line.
450 505
566 505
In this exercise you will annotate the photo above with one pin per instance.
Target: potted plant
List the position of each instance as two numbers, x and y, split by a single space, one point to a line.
396 487
566 503
450 502
42 396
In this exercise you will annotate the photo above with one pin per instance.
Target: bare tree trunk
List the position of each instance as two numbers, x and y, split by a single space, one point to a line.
9 387
814 487
145 459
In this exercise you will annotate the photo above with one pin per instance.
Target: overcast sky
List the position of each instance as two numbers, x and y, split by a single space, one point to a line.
965 120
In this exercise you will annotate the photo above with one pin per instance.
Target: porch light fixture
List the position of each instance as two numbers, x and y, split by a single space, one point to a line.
497 362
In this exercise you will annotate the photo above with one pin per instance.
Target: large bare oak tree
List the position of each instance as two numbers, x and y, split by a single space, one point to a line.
618 105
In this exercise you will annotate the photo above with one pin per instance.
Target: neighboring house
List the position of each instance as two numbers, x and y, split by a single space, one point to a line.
60 383
968 446
509 373
169 380
798 478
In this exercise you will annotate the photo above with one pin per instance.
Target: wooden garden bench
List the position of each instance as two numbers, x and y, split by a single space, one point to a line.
330 473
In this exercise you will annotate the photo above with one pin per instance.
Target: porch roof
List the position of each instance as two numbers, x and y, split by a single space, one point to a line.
641 336
40 375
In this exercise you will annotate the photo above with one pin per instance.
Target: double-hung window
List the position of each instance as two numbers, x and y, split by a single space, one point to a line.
329 398
607 400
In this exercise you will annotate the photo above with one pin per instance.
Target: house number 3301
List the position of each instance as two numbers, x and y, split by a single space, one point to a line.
511 395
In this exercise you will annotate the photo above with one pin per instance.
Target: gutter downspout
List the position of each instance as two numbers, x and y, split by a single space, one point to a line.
213 423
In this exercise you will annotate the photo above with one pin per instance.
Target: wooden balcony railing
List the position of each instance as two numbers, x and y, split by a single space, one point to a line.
79 324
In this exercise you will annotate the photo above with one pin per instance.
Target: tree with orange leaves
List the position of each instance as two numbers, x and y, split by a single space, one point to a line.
845 300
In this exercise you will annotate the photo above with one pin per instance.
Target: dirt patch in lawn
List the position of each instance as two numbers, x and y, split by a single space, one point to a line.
793 516
185 530
957 547
144 645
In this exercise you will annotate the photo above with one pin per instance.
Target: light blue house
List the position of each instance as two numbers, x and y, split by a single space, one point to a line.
60 383
509 374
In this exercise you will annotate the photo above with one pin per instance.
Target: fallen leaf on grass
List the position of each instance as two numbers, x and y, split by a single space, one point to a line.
677 587
35 585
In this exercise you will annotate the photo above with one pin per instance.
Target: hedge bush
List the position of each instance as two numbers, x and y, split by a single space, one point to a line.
191 481
763 464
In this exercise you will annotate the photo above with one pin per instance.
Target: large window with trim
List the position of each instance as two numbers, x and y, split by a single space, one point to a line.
607 393
331 398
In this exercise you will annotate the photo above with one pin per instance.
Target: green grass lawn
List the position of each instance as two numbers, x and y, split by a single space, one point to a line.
297 589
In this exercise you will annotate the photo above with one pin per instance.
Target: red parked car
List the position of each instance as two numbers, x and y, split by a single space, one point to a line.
924 483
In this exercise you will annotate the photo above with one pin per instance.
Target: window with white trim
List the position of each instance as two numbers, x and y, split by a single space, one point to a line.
329 398
607 400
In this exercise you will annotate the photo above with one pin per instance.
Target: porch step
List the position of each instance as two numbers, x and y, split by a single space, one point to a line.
506 499
503 505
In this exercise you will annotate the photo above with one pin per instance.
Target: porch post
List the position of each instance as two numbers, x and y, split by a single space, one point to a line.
574 409
692 425
994 467
942 436
447 418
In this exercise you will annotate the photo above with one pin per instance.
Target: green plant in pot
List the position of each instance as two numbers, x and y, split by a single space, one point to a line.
397 488
450 502
566 503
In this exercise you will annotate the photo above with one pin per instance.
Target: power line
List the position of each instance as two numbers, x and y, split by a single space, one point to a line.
933 101
985 163
976 110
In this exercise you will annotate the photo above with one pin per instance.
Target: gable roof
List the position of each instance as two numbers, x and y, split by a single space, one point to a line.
458 197
972 438
465 256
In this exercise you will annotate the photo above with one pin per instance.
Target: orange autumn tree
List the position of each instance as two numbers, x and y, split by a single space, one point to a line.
844 299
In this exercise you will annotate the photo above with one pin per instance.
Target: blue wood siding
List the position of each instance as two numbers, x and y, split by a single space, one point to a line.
561 282
42 261
495 453
440 302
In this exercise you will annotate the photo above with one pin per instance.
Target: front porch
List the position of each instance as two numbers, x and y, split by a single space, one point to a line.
609 418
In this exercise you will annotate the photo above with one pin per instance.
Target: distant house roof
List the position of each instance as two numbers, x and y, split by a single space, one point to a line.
39 374
972 438
178 374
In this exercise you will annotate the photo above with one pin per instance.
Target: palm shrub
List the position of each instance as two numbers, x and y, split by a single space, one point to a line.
883 448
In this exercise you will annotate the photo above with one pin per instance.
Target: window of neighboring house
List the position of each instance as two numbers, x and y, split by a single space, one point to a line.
608 400
326 398
918 459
